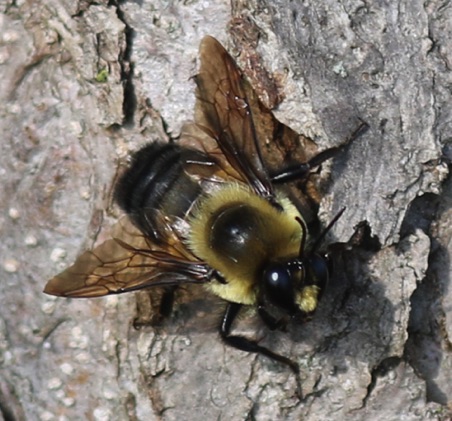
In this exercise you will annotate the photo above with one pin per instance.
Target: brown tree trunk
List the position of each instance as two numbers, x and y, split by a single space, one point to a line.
82 84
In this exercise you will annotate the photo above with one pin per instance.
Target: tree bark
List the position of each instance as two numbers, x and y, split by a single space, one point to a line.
82 84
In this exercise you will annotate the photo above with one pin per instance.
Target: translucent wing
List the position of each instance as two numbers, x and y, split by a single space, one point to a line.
127 262
224 111
235 123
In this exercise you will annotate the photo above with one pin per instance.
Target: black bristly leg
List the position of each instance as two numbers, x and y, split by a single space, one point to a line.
167 302
218 277
245 344
272 322
248 345
300 171
165 307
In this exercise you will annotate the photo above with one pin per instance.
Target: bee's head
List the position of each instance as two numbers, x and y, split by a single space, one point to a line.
296 284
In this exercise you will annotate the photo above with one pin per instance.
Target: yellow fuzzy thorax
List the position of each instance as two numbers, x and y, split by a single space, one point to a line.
277 235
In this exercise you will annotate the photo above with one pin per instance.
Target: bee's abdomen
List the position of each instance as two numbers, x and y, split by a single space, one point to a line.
156 181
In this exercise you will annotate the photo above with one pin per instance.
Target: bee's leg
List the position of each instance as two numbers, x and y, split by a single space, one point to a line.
272 322
248 345
301 170
167 302
217 276
152 313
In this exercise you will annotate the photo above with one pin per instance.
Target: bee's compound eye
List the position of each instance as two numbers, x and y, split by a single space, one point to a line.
279 285
317 270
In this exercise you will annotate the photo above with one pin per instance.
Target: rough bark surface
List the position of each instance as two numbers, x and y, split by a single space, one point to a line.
83 83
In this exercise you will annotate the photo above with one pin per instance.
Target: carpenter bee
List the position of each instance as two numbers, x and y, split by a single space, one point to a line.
208 210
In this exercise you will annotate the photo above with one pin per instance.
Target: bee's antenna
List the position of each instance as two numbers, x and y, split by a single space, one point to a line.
304 231
325 231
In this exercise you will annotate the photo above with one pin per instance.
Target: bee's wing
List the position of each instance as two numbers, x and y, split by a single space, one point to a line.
232 125
225 110
128 261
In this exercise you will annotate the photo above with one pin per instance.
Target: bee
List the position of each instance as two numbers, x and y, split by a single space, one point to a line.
208 210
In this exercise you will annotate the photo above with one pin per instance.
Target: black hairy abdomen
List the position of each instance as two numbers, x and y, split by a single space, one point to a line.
156 182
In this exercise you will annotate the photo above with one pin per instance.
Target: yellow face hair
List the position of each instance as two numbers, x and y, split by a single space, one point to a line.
307 298
268 232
